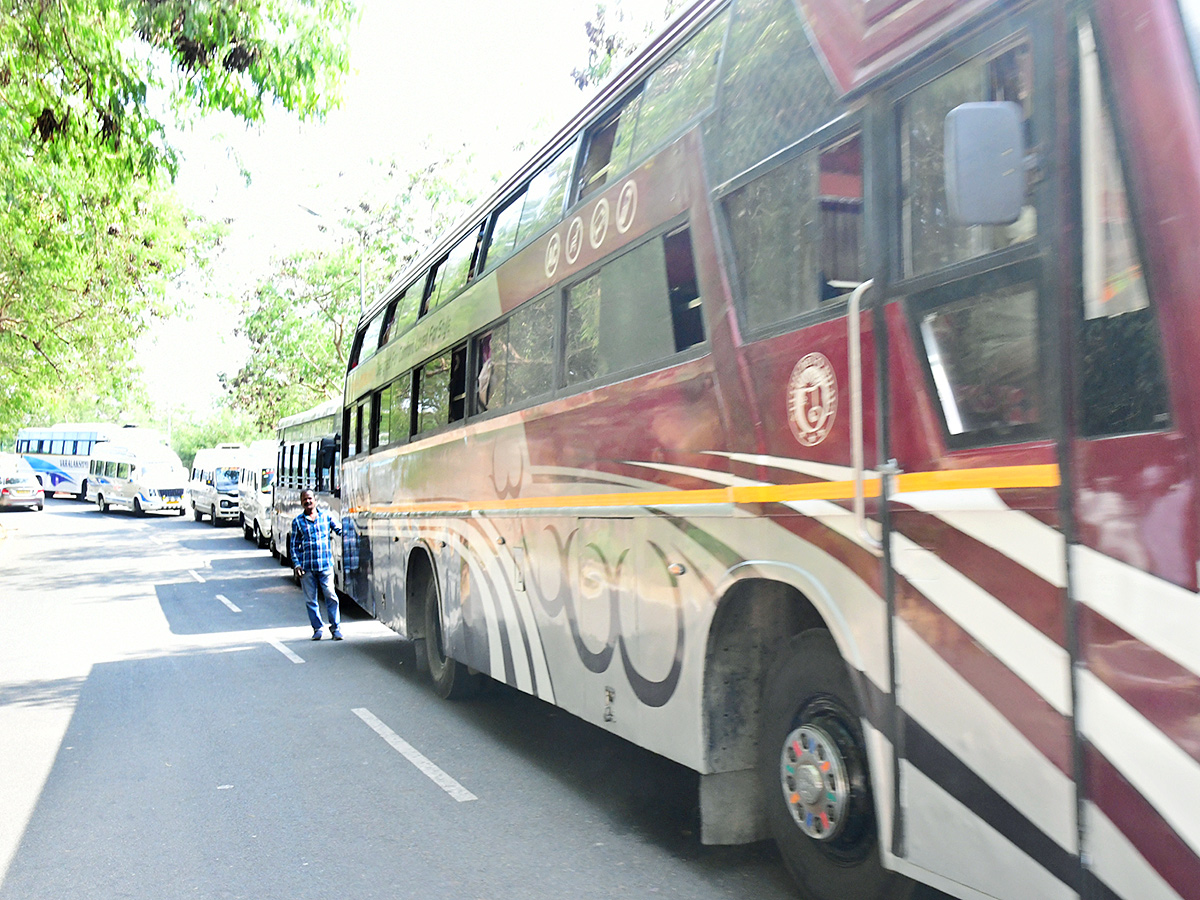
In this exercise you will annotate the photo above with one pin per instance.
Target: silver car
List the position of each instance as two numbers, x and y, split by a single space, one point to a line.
18 484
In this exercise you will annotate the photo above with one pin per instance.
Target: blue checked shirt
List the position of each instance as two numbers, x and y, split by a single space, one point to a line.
311 541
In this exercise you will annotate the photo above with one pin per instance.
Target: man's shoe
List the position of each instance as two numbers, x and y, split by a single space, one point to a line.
316 635
337 635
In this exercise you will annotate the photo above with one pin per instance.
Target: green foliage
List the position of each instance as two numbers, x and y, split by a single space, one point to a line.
614 37
300 320
89 236
225 426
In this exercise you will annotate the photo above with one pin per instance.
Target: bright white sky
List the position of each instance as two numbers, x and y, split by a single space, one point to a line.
480 72
477 72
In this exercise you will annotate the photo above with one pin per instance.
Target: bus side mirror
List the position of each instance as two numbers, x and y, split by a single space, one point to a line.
985 163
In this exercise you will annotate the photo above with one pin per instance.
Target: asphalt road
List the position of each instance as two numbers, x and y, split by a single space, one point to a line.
167 730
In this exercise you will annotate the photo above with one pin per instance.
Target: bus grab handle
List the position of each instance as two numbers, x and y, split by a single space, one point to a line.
871 541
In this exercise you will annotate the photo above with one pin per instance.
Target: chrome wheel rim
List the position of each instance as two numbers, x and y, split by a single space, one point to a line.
812 775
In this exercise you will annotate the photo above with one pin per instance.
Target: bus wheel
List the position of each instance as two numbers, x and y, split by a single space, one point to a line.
82 495
812 765
451 679
101 504
212 516
196 514
258 537
137 507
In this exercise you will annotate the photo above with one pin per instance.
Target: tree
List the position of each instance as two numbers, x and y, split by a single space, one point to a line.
300 320
613 37
89 234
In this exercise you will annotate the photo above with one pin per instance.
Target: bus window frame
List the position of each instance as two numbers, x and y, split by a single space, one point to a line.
838 129
670 361
474 413
1031 261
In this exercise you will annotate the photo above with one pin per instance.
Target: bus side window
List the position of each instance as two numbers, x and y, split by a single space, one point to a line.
110 470
1122 386
400 408
516 358
453 272
609 146
123 470
458 383
625 316
433 394
796 232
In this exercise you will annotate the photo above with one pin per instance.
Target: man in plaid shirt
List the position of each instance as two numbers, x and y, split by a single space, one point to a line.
312 556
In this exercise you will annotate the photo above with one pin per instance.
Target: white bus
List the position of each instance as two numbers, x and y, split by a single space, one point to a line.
256 483
59 454
141 477
309 457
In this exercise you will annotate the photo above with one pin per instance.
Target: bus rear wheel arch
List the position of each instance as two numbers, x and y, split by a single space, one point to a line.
452 680
814 775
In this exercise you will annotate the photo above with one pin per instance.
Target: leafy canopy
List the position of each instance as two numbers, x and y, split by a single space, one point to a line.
90 235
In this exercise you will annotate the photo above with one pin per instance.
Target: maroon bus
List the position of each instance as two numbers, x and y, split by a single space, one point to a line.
815 410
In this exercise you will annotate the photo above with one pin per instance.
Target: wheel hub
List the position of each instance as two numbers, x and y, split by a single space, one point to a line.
813 778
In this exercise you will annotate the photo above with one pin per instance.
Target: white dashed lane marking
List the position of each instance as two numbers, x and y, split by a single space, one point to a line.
286 652
414 756
228 603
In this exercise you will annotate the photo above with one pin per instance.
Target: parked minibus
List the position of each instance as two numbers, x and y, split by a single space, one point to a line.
256 482
213 488
143 478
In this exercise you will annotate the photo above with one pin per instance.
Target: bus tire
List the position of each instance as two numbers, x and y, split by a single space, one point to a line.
451 679
259 541
810 715
101 504
212 516
82 495
196 514
137 507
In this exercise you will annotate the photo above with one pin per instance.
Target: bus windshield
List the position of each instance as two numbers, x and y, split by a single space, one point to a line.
225 479
268 479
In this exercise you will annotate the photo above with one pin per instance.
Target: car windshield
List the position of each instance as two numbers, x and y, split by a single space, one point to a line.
225 479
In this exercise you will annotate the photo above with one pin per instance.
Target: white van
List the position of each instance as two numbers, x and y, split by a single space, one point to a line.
213 488
255 488
144 478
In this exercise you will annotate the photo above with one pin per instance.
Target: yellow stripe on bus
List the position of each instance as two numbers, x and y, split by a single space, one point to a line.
994 478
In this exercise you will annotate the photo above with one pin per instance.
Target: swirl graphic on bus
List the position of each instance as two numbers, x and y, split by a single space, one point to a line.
600 579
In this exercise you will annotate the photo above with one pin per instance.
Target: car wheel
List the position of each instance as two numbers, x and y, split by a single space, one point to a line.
196 514
41 506
813 771
137 507
212 515
259 542
451 679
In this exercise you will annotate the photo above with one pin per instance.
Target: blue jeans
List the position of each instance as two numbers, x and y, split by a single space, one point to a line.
321 582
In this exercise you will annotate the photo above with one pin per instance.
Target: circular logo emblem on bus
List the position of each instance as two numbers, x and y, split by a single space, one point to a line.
812 399
599 229
627 206
552 251
574 240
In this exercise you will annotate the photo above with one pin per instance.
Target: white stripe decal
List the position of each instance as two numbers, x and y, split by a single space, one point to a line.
1118 863
416 757
1163 616
1032 656
1159 768
946 705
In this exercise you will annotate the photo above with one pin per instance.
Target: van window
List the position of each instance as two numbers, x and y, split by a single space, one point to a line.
110 470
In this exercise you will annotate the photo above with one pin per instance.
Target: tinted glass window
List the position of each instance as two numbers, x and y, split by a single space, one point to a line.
545 197
625 316
797 233
122 470
517 357
369 342
774 92
679 89
405 315
451 276
400 408
1122 388
983 355
931 240
110 470
433 394
609 146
